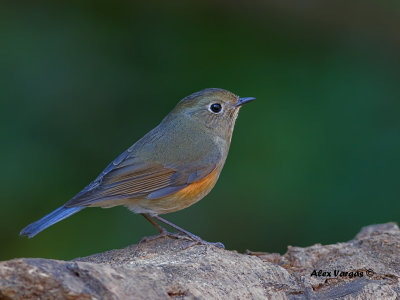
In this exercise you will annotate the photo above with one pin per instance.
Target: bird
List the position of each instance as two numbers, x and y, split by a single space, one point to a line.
173 166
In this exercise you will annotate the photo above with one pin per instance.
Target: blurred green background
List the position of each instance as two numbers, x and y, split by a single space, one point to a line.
313 159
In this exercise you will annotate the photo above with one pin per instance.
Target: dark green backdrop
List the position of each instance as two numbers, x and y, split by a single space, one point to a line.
313 159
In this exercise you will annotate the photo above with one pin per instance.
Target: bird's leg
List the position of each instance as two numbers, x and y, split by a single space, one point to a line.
161 229
187 233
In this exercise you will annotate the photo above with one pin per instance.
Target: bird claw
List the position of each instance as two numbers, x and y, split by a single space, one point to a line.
202 242
218 244
199 241
195 240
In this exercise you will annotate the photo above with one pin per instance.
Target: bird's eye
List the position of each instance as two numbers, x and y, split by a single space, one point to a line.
216 108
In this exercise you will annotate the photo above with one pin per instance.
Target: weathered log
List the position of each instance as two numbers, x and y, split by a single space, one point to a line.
367 267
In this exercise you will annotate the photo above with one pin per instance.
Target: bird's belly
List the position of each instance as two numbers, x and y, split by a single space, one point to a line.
179 200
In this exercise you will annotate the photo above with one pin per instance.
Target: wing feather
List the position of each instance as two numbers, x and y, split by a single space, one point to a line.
128 177
126 183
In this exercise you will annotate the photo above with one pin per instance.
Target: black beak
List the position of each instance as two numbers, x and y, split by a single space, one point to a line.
244 100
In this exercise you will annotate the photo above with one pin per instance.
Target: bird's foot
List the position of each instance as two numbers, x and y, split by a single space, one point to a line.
203 242
184 234
194 239
165 233
199 241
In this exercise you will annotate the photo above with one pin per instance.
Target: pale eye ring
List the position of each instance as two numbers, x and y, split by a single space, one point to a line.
215 108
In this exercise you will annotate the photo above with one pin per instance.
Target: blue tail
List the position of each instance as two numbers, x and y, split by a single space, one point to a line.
55 216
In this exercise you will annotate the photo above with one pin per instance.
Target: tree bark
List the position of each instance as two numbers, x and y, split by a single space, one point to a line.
165 268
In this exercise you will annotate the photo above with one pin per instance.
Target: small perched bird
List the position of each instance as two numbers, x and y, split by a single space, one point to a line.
172 167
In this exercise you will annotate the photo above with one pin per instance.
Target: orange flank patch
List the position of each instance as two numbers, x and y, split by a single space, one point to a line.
183 198
197 188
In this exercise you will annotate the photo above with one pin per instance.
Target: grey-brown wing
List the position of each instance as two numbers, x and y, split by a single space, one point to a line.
127 178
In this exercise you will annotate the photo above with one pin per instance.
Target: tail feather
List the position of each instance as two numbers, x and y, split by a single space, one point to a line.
55 216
